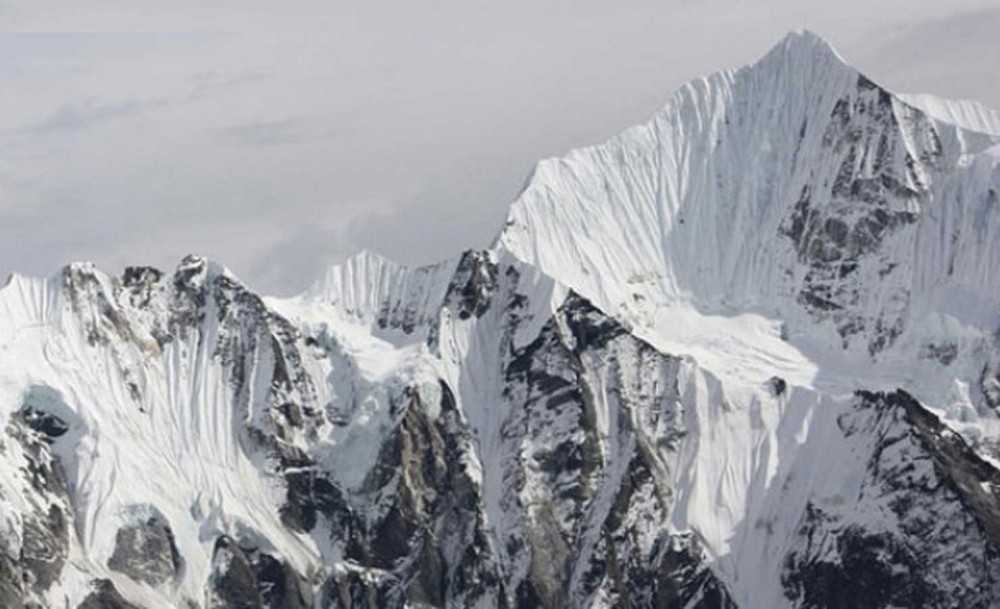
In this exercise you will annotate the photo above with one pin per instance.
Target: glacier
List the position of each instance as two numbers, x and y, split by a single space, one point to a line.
742 355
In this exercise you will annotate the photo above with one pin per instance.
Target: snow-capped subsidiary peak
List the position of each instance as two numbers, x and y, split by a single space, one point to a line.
134 308
743 355
371 289
358 271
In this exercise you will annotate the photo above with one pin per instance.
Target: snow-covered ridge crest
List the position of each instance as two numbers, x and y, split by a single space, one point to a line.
966 113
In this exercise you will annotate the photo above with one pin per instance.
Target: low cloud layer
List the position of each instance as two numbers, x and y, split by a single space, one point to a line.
280 141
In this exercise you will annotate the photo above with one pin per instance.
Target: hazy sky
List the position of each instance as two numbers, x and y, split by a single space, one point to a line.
279 137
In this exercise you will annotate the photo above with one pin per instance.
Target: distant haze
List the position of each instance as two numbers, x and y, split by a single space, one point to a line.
279 138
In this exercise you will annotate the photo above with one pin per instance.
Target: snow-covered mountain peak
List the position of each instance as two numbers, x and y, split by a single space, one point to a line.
794 188
805 38
673 379
370 258
373 290
801 48
363 267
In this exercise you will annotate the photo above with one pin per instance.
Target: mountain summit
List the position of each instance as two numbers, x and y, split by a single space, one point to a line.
743 355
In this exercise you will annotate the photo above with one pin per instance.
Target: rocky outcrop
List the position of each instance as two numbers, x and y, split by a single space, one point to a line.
145 549
248 578
104 595
471 289
929 532
34 541
880 183
588 471
418 516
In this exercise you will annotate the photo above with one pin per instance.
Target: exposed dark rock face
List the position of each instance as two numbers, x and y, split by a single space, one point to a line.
279 584
944 353
91 299
247 578
145 550
361 589
233 584
989 382
44 548
471 289
140 283
658 570
432 502
935 540
309 491
48 425
558 449
29 568
104 595
839 225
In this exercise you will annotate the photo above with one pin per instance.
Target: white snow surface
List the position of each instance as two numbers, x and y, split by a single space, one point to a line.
966 113
675 228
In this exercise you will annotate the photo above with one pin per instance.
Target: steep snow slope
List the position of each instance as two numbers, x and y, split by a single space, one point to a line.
373 291
672 381
155 382
794 196
966 113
